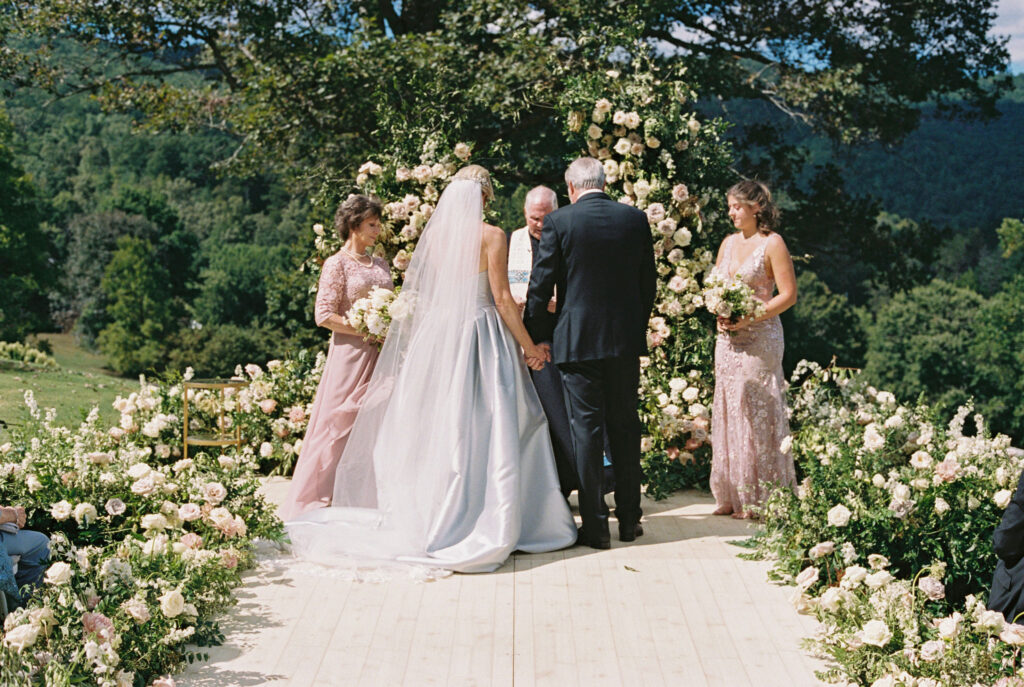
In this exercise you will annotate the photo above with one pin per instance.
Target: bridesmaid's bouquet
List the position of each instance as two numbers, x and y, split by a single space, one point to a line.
371 315
731 298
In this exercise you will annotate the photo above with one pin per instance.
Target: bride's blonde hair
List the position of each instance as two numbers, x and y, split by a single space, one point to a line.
480 175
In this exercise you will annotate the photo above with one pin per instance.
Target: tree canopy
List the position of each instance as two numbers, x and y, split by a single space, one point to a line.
314 84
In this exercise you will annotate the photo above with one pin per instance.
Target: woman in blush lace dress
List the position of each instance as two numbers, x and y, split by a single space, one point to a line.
750 427
347 276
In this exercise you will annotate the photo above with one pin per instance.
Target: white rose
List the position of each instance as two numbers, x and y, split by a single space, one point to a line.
949 627
854 575
594 131
806 578
172 603
189 512
932 650
690 394
1003 497
873 439
154 521
1013 634
266 449
921 460
831 599
839 516
878 579
462 151
21 637
58 573
876 633
990 621
139 470
878 481
653 142
85 513
932 588
604 106
822 549
682 237
646 444
214 492
632 120
61 511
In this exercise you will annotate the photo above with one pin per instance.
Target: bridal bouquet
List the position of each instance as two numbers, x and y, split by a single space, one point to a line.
731 298
371 315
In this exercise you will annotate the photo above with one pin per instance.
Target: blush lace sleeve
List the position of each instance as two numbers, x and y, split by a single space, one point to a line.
331 291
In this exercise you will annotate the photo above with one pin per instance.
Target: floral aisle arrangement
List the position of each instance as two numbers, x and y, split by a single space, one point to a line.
888 537
146 545
660 157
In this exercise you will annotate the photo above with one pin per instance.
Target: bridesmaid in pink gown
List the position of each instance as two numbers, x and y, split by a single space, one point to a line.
347 276
749 423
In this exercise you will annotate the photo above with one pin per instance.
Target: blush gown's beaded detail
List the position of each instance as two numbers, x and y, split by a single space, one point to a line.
350 363
749 421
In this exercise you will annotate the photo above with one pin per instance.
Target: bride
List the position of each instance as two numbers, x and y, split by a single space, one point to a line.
449 464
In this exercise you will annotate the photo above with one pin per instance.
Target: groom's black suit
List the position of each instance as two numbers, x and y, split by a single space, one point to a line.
600 255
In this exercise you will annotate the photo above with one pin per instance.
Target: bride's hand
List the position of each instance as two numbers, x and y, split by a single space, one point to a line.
730 326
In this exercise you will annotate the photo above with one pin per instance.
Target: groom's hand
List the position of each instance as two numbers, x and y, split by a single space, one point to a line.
534 363
546 349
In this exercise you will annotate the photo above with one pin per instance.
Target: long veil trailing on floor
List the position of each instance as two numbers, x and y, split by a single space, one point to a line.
393 477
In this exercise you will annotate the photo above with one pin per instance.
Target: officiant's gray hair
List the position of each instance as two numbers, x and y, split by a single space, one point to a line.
584 173
541 195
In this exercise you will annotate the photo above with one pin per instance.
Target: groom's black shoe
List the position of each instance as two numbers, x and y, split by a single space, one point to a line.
629 532
601 542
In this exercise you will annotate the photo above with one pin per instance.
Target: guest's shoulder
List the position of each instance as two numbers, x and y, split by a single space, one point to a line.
333 263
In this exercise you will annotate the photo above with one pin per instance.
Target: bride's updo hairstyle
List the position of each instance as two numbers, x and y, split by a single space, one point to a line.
750 192
354 211
480 175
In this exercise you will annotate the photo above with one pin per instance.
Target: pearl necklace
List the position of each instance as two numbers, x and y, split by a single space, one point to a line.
358 258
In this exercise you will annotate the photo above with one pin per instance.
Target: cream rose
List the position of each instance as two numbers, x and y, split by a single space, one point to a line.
172 603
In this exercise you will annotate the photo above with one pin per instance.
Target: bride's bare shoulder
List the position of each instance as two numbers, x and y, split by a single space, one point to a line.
492 233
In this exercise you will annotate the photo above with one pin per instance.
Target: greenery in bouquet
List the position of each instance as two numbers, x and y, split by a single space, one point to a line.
146 545
888 536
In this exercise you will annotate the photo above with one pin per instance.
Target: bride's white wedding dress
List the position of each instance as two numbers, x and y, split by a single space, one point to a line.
449 464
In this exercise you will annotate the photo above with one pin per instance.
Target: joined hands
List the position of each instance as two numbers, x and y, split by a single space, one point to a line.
538 356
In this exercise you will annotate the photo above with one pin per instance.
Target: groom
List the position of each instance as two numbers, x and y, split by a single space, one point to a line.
600 255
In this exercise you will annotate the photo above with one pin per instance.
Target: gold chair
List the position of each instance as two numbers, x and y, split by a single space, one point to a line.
219 437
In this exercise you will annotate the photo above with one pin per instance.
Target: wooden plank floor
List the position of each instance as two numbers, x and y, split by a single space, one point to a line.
675 608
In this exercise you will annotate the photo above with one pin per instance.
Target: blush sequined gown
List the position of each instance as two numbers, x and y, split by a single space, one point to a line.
749 421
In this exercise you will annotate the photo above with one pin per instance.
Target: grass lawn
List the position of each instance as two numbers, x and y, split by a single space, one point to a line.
79 384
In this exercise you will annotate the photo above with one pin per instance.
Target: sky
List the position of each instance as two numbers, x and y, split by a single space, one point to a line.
1010 22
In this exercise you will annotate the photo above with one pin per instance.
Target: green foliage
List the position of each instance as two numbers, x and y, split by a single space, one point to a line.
822 325
1011 236
141 313
23 354
235 283
997 356
24 249
215 350
920 341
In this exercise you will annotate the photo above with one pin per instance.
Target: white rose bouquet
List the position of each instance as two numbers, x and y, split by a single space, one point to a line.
371 315
730 298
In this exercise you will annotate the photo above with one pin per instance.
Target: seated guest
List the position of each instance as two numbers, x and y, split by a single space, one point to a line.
33 549
1007 594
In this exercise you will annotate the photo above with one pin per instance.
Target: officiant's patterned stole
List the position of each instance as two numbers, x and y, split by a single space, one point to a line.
520 263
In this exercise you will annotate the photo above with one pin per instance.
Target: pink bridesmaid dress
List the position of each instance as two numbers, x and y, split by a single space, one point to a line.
346 375
749 421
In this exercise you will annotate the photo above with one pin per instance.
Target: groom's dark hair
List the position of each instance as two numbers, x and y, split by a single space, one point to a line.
354 211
